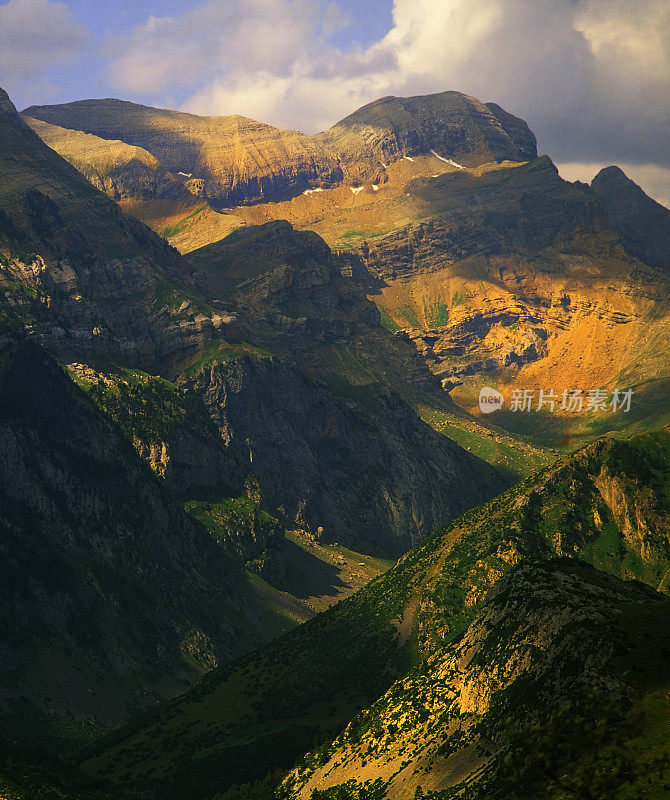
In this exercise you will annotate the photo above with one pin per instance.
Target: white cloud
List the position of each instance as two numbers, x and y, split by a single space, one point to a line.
35 36
591 77
221 40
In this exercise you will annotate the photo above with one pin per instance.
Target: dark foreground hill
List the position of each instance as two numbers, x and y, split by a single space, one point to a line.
556 689
112 599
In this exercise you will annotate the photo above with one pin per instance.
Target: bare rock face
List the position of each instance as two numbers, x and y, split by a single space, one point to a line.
266 268
169 428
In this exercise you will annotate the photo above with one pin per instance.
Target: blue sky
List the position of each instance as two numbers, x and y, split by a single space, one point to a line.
85 74
591 77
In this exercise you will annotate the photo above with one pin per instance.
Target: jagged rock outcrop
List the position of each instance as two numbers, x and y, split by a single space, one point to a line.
286 281
6 106
338 465
642 223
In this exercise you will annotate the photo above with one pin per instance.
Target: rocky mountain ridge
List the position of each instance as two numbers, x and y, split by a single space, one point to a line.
453 126
235 160
642 223
120 170
492 267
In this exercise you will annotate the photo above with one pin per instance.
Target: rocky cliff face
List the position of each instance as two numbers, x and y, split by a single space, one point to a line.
169 428
337 468
100 282
522 211
288 286
642 223
105 579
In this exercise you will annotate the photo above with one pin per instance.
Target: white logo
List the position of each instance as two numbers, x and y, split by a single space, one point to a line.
490 400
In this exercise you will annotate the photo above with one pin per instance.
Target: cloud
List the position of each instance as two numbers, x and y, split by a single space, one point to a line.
221 40
591 77
36 36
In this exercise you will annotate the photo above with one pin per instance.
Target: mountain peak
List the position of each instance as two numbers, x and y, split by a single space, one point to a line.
6 105
642 224
449 124
610 174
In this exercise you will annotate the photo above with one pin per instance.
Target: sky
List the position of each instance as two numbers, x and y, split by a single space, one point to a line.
591 77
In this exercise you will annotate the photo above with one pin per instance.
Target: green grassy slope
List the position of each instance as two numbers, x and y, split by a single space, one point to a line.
556 689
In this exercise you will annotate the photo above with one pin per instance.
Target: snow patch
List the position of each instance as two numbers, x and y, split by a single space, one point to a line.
356 189
384 165
311 191
375 188
447 160
408 158
185 174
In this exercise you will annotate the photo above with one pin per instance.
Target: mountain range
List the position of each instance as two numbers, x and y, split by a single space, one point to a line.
258 539
477 252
